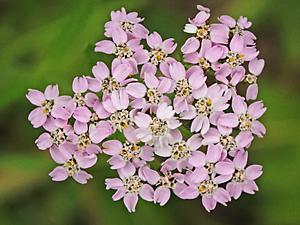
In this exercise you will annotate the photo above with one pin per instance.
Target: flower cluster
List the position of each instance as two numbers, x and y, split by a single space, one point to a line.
187 118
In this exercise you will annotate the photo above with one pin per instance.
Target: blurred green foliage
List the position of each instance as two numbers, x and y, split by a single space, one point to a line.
52 41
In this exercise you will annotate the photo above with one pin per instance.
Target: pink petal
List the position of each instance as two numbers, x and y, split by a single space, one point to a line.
80 85
213 154
190 192
252 92
112 147
256 66
237 44
221 196
137 90
130 201
120 193
113 183
58 174
229 120
162 195
147 193
151 80
240 160
82 177
235 190
37 117
249 187
258 128
100 70
197 159
121 72
253 172
56 155
116 162
86 161
82 114
127 171
51 92
105 46
44 141
209 203
35 97
192 44
151 176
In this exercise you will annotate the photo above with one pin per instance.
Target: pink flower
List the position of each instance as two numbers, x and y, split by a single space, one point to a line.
236 56
210 192
49 104
209 105
184 87
243 179
127 22
227 142
210 165
158 54
255 68
206 58
128 152
156 129
116 105
168 181
180 152
129 187
126 51
59 130
72 164
238 28
243 117
106 82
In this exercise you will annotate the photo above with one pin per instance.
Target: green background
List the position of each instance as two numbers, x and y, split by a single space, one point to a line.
51 41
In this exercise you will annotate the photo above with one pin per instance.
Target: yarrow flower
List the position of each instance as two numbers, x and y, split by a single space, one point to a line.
185 128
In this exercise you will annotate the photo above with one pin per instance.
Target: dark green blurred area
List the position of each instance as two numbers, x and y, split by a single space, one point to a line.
51 42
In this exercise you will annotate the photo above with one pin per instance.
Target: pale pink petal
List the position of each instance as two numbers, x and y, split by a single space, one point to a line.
209 203
224 168
221 196
256 109
112 147
256 66
151 80
113 183
116 162
119 36
80 85
100 70
190 192
44 141
213 154
199 175
82 177
58 174
258 128
56 155
253 172
137 90
177 71
37 117
229 21
229 120
243 139
98 134
121 72
237 44
82 114
249 187
127 171
86 161
147 192
105 46
240 160
162 195
120 193
252 92
130 201
154 40
235 190
197 159
35 97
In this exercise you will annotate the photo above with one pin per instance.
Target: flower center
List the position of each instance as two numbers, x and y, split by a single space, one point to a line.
58 136
210 167
180 151
237 30
71 166
227 142
130 151
157 55
47 105
94 118
207 187
234 59
204 106
167 180
110 84
153 96
239 176
132 184
250 78
84 141
203 32
245 122
204 64
127 26
183 88
120 119
158 127
79 99
123 51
